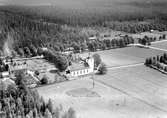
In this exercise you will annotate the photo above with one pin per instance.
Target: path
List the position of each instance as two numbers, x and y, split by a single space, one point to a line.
156 48
125 66
144 46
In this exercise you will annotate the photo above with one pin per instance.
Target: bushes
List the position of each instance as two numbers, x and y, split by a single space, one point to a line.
20 52
92 46
37 72
76 47
44 80
59 60
33 50
102 69
97 60
27 52
61 63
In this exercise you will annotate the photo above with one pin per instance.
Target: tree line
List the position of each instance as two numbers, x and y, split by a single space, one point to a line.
159 61
122 21
108 43
147 40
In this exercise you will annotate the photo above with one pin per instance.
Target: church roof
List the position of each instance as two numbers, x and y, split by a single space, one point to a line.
77 66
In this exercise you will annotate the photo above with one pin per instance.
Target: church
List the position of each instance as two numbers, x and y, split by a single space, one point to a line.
84 67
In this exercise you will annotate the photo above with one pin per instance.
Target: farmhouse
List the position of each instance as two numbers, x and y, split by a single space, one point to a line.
84 67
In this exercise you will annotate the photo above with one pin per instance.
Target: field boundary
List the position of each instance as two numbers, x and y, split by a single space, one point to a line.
126 66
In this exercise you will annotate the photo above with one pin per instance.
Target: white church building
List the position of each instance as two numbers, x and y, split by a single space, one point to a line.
84 67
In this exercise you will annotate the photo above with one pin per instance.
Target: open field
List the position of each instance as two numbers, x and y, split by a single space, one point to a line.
111 103
125 56
162 45
142 83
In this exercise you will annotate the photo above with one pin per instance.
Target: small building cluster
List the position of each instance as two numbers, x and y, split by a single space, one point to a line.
10 67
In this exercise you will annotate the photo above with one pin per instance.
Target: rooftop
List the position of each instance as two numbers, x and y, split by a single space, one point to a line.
77 66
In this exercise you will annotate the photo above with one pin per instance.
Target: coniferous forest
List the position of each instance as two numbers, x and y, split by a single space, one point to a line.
18 101
27 28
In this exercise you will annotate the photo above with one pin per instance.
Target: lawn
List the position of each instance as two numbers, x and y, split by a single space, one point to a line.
125 56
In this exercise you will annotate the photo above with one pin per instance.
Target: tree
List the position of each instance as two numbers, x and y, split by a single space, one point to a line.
12 90
162 59
50 106
35 113
165 69
165 56
147 62
83 47
14 54
1 53
33 50
91 47
71 113
44 80
21 52
97 59
61 63
39 51
37 72
108 43
48 114
57 48
158 58
57 113
163 36
102 69
27 51
76 47
0 106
